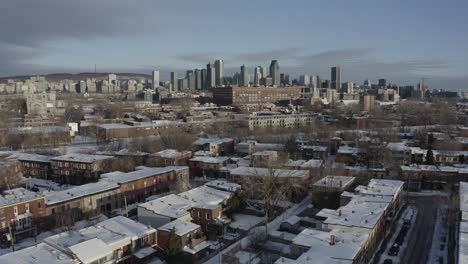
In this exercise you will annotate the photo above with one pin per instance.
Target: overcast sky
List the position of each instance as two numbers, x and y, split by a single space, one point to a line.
371 39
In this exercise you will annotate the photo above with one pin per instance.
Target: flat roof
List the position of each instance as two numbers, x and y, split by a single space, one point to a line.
172 206
38 254
18 195
85 158
143 172
381 187
205 195
335 181
181 227
223 185
30 157
347 245
209 159
265 172
357 213
79 191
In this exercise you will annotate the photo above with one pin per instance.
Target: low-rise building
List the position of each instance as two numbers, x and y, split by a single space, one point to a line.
201 166
171 157
33 165
21 211
188 234
220 146
281 120
79 168
327 191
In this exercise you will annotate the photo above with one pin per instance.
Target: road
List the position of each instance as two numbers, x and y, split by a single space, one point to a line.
420 239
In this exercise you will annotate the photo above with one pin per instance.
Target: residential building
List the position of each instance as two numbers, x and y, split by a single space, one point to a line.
221 146
237 95
200 166
262 120
327 191
244 76
33 165
79 168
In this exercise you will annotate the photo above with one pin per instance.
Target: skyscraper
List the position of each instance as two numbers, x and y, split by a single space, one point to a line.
263 71
155 79
190 79
284 79
382 83
336 78
274 73
198 79
314 80
203 78
174 82
257 75
210 75
244 75
219 66
304 80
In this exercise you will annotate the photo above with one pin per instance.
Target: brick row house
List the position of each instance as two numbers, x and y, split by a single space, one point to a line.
20 213
80 168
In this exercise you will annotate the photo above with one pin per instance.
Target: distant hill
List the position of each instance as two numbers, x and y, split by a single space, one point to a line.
80 76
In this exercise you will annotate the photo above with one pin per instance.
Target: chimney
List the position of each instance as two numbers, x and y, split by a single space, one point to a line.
332 240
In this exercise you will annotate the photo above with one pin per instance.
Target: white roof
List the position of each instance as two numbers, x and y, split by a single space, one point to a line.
209 159
381 187
335 181
223 185
357 213
143 172
79 191
17 195
91 250
30 157
85 158
172 206
347 245
181 227
168 153
205 195
265 172
203 141
38 254
350 150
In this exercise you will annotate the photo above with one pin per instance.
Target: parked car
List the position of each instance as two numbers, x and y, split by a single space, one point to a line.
394 250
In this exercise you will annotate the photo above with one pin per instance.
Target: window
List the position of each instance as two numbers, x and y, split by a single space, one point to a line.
15 210
207 216
199 214
26 206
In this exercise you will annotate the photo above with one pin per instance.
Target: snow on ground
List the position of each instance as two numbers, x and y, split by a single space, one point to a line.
29 242
273 225
439 246
245 222
409 214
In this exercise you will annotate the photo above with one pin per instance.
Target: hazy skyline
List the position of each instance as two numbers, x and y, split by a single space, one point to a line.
397 40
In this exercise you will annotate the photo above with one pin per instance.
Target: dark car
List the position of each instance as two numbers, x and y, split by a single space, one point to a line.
387 261
394 250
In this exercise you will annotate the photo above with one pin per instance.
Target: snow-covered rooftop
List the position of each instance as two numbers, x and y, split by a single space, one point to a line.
30 157
143 172
38 254
79 191
209 159
347 245
205 195
203 141
76 157
168 153
381 187
357 213
181 227
350 150
335 181
265 172
172 206
223 185
17 195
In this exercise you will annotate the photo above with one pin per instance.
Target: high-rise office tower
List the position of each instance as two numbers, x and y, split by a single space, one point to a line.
210 75
263 71
190 79
198 79
219 66
257 75
244 76
274 73
336 78
203 78
174 82
155 79
284 79
314 81
382 83
304 80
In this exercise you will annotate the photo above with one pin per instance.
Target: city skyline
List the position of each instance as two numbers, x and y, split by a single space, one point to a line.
390 41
